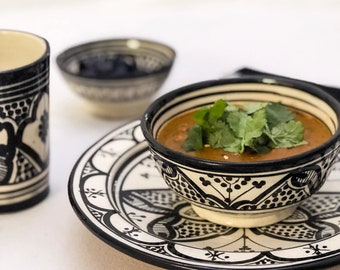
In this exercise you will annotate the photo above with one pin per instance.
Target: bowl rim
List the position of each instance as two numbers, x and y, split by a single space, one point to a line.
240 167
63 56
46 54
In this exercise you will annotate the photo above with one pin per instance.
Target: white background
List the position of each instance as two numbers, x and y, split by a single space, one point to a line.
212 38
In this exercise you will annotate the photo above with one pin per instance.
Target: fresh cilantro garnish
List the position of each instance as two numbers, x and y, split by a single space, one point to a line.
196 139
276 113
258 127
286 135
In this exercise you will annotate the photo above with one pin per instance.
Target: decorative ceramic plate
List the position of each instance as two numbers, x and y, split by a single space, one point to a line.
119 195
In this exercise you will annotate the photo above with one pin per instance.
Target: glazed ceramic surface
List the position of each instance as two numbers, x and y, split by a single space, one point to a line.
119 195
115 74
244 194
24 115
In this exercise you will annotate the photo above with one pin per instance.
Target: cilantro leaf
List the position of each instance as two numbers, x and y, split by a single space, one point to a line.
247 127
250 108
237 146
231 108
278 113
260 144
221 136
217 110
287 135
194 140
254 126
201 116
237 122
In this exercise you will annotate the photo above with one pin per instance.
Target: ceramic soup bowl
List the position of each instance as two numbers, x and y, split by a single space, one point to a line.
116 78
244 194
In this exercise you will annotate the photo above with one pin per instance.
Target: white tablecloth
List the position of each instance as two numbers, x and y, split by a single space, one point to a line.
212 39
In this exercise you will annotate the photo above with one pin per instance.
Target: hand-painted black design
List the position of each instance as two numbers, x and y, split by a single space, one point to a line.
7 152
138 211
93 193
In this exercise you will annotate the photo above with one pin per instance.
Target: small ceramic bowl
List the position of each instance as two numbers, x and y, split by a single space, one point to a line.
244 194
116 77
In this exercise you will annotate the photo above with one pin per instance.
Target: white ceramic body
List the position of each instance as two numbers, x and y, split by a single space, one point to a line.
247 194
24 115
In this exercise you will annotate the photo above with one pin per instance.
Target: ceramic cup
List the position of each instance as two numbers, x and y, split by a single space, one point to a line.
24 114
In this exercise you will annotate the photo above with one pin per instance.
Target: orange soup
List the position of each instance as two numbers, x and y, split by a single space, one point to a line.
174 133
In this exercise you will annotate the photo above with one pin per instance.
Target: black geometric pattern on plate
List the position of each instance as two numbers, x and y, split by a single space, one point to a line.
312 221
120 196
